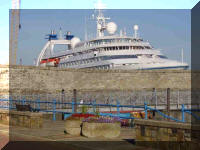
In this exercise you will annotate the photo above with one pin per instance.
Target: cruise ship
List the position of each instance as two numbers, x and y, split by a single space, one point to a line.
111 51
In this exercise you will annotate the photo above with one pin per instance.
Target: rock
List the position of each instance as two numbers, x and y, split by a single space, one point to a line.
73 126
107 130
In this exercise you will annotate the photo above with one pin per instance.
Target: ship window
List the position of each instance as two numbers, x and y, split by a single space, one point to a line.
118 57
147 47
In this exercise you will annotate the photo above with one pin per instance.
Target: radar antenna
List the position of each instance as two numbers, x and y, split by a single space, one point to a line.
136 27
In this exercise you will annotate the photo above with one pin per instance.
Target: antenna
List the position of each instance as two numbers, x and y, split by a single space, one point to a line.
182 55
124 31
60 33
101 20
86 37
121 33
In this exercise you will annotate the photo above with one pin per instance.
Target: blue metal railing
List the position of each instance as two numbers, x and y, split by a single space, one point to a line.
8 104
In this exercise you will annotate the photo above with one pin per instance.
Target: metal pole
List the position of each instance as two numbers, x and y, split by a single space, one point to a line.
94 106
183 113
23 101
54 110
178 100
118 110
168 102
72 106
38 104
145 109
63 98
156 97
75 100
153 97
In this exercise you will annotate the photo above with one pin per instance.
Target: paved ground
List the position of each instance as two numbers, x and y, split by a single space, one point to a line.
4 137
52 134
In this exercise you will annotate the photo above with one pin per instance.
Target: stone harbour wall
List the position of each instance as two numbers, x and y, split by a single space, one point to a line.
4 117
34 80
152 132
22 119
106 86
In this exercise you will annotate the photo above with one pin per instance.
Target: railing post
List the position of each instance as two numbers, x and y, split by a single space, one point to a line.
118 110
54 110
62 98
168 102
38 104
183 113
146 112
94 106
153 97
72 106
75 100
23 101
178 100
156 98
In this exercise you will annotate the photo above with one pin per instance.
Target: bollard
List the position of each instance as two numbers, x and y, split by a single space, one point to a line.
54 110
183 113
145 109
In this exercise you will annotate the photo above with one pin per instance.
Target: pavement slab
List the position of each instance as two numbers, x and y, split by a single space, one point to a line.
52 135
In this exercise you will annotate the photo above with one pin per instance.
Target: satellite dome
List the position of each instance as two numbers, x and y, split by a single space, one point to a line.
74 41
111 27
136 27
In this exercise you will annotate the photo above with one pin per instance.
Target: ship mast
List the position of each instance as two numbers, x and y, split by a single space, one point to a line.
101 20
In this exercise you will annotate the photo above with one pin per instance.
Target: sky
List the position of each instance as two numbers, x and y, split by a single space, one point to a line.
168 30
5 5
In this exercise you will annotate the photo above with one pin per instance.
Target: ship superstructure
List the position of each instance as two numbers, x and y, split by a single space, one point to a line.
110 51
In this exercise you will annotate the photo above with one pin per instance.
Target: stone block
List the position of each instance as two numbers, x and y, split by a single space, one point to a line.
180 135
73 126
169 131
173 138
154 134
107 130
74 131
148 132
